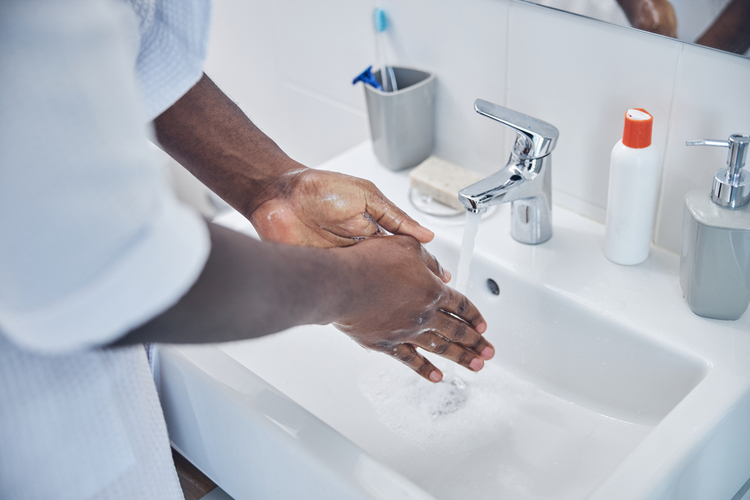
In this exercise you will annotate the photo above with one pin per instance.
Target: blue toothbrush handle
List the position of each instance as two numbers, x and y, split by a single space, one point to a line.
367 77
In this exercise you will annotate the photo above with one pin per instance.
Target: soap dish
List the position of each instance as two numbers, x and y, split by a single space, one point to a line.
428 205
435 184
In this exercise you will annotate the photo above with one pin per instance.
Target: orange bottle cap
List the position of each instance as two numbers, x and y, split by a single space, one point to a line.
638 124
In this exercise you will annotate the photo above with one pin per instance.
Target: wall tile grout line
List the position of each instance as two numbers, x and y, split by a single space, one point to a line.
667 155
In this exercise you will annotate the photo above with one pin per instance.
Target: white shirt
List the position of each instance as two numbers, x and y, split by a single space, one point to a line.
92 241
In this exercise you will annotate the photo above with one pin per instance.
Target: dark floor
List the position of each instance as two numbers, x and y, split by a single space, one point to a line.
195 485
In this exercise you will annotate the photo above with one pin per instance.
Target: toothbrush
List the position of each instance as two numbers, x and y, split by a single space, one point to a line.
386 72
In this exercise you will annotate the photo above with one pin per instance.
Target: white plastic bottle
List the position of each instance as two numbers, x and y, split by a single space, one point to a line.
634 176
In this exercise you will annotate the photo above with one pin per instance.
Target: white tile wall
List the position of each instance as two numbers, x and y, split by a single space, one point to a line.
465 44
582 77
289 64
318 127
711 101
263 53
321 47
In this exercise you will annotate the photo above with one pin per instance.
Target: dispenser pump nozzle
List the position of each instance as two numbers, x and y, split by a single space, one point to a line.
731 187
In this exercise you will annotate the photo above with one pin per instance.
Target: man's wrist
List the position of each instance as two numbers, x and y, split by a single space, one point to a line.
279 181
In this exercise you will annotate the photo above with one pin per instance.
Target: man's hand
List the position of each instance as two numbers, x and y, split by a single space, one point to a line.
388 294
327 209
656 16
405 304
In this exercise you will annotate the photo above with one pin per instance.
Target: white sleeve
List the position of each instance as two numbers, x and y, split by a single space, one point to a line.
174 42
92 241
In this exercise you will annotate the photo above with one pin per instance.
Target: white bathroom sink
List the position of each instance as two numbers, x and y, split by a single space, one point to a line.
604 386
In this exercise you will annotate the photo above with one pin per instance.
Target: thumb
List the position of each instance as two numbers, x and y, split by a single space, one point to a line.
392 218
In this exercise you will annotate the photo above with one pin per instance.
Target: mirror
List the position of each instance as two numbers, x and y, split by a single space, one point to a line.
719 24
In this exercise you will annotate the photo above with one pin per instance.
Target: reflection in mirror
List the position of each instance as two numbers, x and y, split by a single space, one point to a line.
720 24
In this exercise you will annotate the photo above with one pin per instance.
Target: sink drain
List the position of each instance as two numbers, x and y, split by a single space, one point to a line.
493 287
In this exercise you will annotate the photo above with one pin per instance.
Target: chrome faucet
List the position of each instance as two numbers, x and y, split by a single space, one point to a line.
525 181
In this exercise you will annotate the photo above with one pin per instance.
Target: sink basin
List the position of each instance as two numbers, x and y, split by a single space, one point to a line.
604 386
567 397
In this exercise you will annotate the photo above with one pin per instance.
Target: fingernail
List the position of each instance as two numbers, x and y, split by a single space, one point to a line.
488 352
476 364
447 275
435 376
481 327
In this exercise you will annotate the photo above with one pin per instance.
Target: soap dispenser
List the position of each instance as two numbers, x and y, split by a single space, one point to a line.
715 257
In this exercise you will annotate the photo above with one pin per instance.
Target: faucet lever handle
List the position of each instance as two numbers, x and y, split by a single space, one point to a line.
535 138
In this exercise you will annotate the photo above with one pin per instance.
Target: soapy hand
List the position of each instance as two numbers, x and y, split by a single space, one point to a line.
327 209
401 303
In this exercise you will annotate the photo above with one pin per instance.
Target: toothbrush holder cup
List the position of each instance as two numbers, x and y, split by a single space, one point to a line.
402 122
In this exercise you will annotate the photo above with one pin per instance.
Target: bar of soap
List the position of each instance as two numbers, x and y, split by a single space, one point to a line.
441 180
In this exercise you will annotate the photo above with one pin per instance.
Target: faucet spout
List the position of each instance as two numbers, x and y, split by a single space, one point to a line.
516 181
525 181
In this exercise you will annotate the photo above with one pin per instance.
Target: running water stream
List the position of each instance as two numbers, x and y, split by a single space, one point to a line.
467 249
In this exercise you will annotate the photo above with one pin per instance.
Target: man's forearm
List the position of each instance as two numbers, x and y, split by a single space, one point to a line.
388 294
730 30
210 136
248 289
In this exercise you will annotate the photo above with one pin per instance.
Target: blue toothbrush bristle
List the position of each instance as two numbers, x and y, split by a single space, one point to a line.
379 20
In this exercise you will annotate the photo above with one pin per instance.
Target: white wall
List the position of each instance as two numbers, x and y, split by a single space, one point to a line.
289 64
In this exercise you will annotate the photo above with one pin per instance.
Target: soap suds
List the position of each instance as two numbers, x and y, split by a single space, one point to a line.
335 200
465 411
